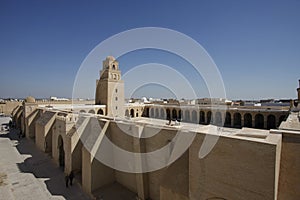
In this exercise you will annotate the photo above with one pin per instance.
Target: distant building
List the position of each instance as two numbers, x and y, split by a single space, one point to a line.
58 99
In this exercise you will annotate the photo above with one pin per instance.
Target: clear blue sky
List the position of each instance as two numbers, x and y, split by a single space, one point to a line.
255 44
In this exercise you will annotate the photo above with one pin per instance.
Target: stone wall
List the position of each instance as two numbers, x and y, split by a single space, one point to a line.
234 169
8 107
43 130
289 178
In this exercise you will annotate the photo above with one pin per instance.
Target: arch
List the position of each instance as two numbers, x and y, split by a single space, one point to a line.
187 115
100 112
162 113
248 120
137 113
92 111
227 119
174 113
147 114
281 119
271 122
82 111
156 113
194 116
237 120
179 115
61 151
168 114
131 112
152 112
259 121
218 118
208 117
113 67
202 117
127 113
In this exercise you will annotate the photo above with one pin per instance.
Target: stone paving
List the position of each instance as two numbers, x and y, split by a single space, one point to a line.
27 173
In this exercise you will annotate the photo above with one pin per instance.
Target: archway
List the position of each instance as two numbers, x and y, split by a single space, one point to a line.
162 113
82 111
194 116
146 112
92 111
259 121
156 113
218 118
152 113
100 112
228 119
187 116
168 114
179 115
61 151
132 112
248 120
281 119
271 122
174 113
202 117
237 120
209 117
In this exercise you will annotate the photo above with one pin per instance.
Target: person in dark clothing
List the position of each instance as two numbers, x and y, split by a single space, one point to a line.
71 176
67 180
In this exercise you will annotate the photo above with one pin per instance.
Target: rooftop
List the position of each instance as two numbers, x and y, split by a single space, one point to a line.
250 134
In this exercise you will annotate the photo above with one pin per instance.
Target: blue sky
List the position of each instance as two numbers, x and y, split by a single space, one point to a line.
255 44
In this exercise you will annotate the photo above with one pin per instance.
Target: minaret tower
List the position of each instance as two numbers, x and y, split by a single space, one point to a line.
110 88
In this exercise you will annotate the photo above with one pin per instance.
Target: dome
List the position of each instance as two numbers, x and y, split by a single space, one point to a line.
110 58
30 99
144 99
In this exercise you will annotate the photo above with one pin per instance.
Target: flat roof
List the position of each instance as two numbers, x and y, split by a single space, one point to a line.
250 134
72 106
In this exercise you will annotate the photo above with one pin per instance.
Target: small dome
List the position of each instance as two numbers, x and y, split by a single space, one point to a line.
110 58
144 99
30 99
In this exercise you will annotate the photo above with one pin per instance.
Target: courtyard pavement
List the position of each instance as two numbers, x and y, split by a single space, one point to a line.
27 173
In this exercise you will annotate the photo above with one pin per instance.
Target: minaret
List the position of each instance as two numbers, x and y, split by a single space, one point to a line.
110 88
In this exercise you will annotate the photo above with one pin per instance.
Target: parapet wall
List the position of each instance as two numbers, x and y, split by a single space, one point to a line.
8 107
238 167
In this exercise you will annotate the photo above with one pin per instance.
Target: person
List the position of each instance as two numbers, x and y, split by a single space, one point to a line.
67 180
71 176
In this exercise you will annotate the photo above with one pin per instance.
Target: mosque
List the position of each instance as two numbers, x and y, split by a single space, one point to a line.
255 151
